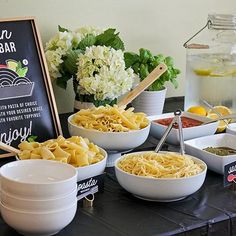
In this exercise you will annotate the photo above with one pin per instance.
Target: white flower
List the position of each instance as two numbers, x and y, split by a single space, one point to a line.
62 40
54 59
101 72
83 31
59 45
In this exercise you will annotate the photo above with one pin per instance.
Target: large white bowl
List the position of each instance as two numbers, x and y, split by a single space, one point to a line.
214 162
118 141
95 169
38 223
162 189
23 204
157 130
38 179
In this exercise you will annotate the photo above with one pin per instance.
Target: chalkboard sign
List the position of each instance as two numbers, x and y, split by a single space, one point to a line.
27 104
230 174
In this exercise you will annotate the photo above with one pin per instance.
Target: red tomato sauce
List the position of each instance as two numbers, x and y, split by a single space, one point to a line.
186 122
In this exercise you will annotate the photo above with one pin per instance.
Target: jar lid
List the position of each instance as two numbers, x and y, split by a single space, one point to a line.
222 21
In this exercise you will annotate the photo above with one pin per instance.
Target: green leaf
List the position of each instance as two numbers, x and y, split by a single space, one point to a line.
136 68
61 29
143 73
87 41
130 58
22 72
159 59
62 81
19 66
70 61
110 39
145 55
169 61
97 103
32 138
174 82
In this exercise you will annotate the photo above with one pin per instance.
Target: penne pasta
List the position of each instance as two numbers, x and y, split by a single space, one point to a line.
110 119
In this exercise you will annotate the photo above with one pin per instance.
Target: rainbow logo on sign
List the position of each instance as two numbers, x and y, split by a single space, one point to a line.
13 81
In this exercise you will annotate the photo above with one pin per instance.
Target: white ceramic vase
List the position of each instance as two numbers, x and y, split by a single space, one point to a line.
78 105
150 102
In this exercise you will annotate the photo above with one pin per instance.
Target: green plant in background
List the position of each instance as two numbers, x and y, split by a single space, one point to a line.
145 62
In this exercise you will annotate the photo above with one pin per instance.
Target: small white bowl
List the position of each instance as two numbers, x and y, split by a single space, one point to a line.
52 204
118 141
38 179
38 223
231 128
162 189
95 169
157 130
214 162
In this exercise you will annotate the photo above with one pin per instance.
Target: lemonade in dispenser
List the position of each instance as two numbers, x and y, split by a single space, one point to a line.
211 64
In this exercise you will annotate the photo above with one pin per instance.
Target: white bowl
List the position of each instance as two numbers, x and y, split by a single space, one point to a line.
214 162
35 223
118 141
162 189
85 172
95 169
23 204
231 128
157 130
38 179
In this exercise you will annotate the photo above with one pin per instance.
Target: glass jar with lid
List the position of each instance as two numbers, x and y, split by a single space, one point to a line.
211 63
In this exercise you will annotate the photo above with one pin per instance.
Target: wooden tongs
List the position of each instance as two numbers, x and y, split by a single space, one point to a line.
176 121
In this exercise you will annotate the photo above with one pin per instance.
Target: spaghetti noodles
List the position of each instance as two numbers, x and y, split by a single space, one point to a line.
159 165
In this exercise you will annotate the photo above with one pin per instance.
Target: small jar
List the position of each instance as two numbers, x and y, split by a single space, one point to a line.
211 63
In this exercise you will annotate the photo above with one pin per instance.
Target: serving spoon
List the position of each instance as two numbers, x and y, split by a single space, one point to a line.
154 75
9 148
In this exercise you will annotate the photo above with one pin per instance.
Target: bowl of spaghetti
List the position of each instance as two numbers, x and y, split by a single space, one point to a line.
164 176
111 127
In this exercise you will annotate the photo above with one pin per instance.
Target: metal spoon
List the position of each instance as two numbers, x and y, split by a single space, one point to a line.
214 110
231 116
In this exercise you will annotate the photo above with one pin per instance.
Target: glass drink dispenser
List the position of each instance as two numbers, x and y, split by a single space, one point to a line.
211 64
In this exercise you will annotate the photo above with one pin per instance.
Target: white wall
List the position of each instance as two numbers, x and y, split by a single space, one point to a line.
159 25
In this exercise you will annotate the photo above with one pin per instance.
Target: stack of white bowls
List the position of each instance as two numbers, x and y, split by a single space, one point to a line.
38 197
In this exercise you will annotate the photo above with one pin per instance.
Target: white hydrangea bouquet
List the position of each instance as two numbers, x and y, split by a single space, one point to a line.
94 59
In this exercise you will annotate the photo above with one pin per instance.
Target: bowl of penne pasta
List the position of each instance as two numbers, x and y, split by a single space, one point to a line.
111 127
88 159
163 176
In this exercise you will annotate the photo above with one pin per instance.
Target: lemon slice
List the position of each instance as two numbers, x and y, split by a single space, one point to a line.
223 110
202 72
199 110
222 123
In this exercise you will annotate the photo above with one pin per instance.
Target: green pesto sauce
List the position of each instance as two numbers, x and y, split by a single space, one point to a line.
221 151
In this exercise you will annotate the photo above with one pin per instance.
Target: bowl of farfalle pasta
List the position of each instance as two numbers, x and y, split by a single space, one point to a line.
85 156
111 127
